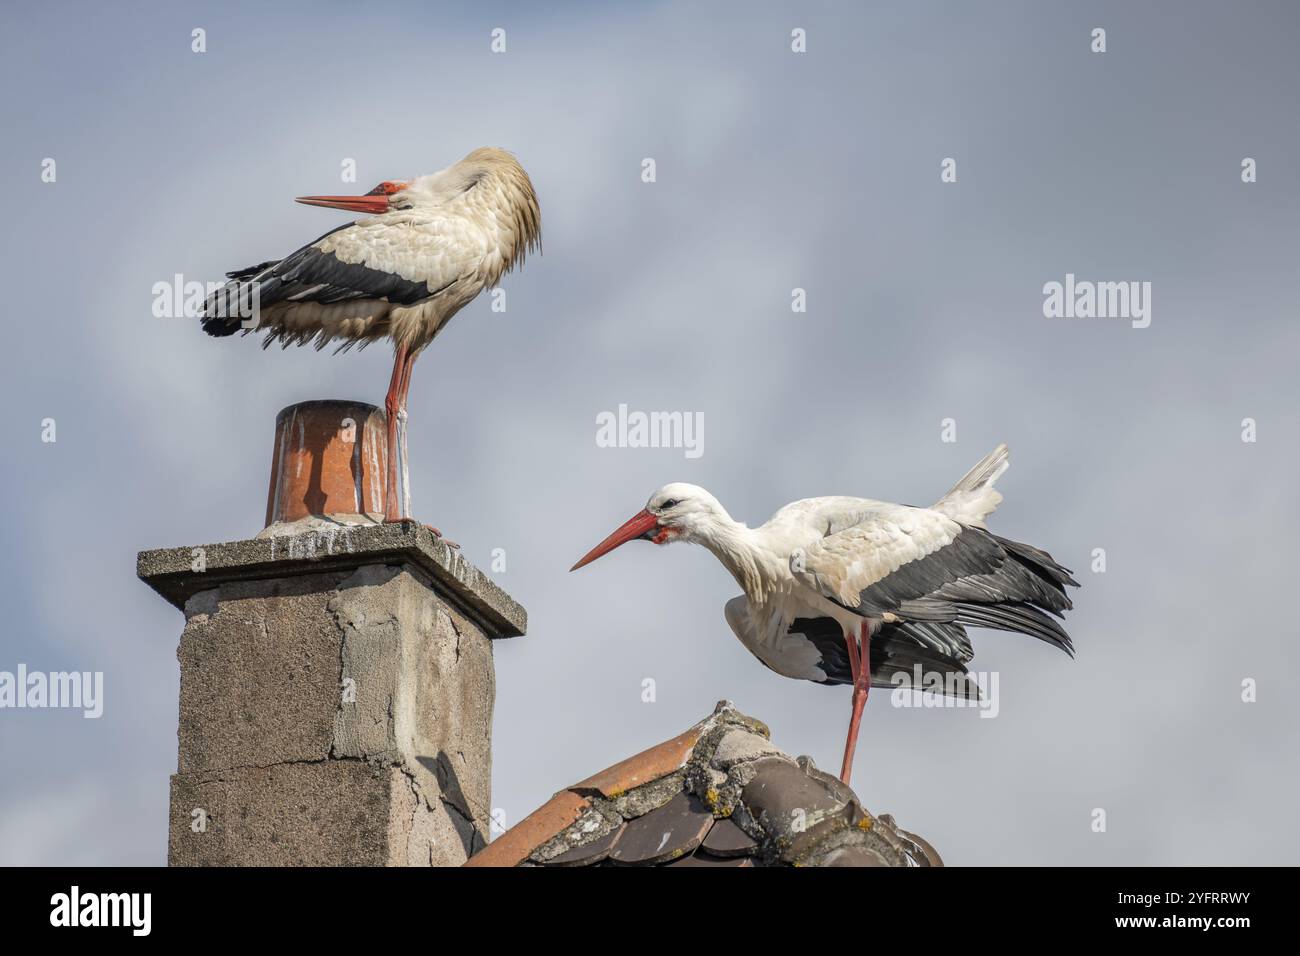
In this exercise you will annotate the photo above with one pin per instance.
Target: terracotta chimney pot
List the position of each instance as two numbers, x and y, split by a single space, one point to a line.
329 458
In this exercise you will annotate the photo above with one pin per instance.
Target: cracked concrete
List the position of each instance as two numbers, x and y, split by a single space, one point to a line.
341 716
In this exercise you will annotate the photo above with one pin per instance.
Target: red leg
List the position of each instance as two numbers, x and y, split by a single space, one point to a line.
403 465
393 406
406 378
397 472
860 662
852 641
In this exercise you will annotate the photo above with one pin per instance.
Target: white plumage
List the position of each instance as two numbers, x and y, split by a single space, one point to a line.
830 582
430 246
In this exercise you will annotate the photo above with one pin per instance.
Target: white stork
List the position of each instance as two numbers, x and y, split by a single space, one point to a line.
832 582
427 248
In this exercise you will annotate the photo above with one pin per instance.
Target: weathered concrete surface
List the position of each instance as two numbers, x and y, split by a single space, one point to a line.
260 674
337 712
331 813
180 573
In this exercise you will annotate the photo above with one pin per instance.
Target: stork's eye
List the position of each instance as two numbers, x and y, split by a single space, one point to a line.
670 503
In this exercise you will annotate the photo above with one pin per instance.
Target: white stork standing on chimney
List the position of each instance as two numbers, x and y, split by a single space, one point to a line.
831 583
427 248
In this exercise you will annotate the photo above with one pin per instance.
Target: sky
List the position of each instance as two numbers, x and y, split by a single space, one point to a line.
774 170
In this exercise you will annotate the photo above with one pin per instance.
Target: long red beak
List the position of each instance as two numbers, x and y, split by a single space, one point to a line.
372 205
638 526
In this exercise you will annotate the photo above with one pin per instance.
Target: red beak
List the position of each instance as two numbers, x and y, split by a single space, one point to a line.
639 525
371 205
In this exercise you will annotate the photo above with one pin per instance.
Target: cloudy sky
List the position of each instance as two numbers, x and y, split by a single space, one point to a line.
774 171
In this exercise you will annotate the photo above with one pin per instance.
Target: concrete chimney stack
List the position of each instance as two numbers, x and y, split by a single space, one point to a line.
336 673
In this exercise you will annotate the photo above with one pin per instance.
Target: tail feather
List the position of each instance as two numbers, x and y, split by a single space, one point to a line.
1020 618
1039 562
1026 593
974 498
250 271
222 311
898 650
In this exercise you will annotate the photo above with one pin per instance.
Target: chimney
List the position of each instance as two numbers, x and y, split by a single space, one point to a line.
336 673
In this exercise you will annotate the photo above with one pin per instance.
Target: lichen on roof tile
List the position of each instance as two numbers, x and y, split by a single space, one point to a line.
719 794
588 853
739 744
786 799
667 833
596 821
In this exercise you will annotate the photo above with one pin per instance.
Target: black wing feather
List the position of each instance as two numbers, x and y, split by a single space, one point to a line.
308 275
981 580
940 650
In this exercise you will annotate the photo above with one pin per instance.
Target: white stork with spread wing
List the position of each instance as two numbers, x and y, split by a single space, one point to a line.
427 248
832 582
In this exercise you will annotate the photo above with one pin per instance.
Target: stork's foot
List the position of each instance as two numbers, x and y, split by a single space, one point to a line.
436 533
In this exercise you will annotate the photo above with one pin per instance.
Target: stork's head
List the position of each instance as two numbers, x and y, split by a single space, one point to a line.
490 186
488 173
676 512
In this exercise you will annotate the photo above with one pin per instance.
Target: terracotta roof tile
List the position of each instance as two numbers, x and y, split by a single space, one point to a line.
855 856
703 859
718 795
728 840
658 761
670 832
782 795
542 825
590 853
915 846
929 854
512 847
